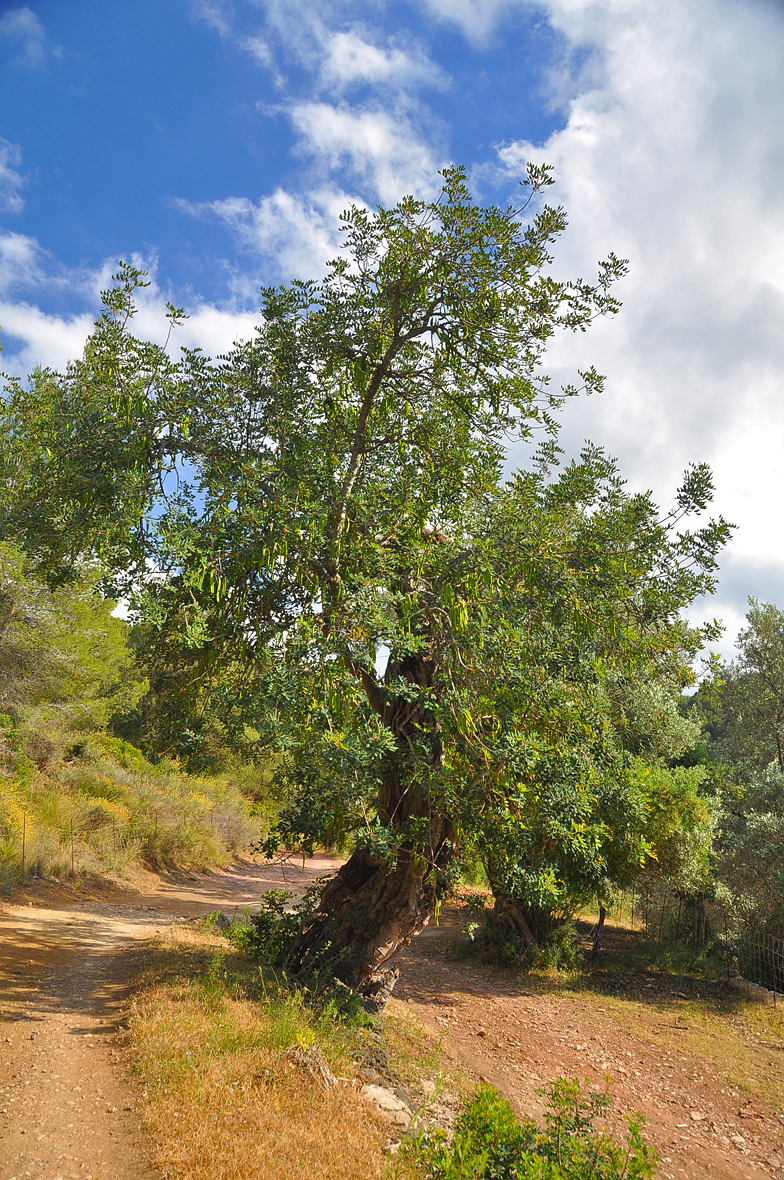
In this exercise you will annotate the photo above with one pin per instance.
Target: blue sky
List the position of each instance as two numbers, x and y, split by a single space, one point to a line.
127 127
216 143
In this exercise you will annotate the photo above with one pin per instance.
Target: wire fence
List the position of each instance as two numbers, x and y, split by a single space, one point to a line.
671 919
760 959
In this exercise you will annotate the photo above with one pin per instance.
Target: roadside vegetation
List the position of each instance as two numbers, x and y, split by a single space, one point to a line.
75 798
209 1036
239 1074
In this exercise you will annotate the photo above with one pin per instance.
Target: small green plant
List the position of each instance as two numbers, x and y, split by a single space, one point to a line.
561 951
267 934
490 1144
264 935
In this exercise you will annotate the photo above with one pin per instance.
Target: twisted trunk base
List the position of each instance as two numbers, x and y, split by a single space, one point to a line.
508 908
367 913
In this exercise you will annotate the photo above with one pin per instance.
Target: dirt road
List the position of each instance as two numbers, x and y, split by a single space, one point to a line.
520 1038
66 966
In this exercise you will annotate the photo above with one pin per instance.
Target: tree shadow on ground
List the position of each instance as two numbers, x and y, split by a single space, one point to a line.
632 966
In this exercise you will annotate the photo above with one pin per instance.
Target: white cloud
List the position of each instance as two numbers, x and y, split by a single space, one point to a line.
296 235
671 155
51 340
476 19
217 14
11 179
340 54
377 141
298 27
212 329
257 47
47 340
20 262
21 26
349 58
381 149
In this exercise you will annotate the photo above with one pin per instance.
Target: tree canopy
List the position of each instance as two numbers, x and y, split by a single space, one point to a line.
317 528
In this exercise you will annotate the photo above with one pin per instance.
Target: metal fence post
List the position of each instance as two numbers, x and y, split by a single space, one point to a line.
24 839
773 967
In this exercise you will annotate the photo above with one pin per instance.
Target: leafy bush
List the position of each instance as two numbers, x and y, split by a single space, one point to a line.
490 1144
97 805
562 950
267 934
492 938
266 937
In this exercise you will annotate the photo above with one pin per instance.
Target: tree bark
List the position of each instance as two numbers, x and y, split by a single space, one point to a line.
375 906
506 906
596 949
368 912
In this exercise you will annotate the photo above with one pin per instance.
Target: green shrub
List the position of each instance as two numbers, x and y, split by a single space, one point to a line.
267 934
266 937
490 1144
562 950
492 938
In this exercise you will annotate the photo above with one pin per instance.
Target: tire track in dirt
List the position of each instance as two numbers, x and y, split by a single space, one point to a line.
67 966
66 970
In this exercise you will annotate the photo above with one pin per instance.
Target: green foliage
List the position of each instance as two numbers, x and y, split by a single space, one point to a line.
494 937
682 823
490 1144
186 711
96 805
750 866
333 487
73 798
648 717
743 707
266 936
267 933
62 653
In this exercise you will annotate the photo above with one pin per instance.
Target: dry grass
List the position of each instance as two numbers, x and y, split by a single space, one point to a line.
219 1100
95 805
417 1052
743 1040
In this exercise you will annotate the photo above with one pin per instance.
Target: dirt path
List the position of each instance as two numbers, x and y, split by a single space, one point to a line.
520 1038
66 964
66 1109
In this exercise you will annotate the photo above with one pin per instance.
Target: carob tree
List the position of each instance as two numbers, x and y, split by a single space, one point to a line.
312 528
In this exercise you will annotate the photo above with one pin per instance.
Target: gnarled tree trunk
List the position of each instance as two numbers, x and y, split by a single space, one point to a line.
508 907
375 906
370 910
